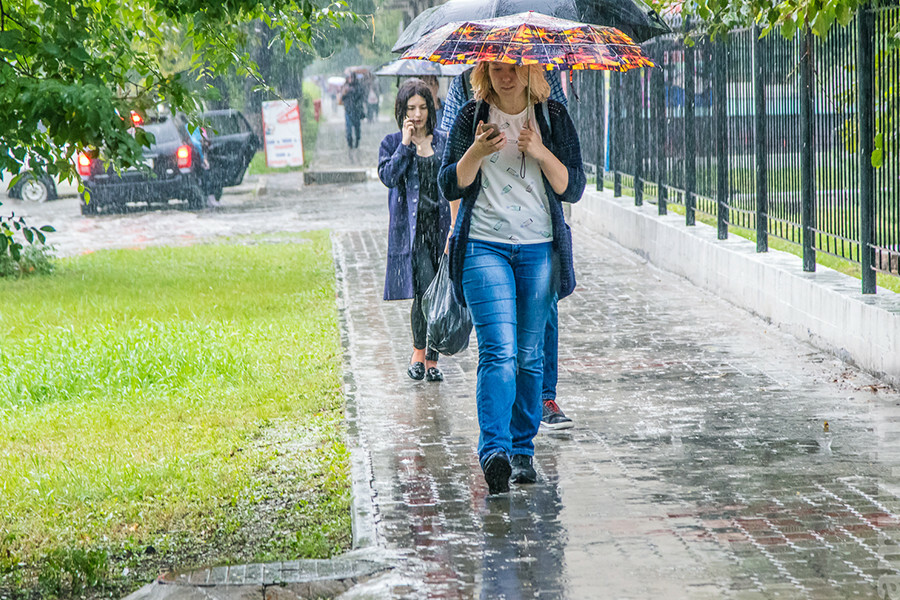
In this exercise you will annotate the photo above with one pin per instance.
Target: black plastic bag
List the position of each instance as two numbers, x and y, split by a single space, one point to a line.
449 322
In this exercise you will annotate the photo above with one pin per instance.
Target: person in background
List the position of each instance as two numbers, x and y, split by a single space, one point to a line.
552 415
200 142
419 218
435 86
353 98
372 100
506 171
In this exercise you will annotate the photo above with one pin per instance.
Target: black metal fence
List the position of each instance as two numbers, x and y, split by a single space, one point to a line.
776 138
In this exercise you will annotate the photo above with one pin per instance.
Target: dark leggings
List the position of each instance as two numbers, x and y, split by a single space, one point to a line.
426 254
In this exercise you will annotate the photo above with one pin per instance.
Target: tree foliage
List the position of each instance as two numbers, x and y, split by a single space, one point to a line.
70 70
786 16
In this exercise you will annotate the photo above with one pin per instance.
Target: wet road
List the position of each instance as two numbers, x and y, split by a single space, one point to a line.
700 466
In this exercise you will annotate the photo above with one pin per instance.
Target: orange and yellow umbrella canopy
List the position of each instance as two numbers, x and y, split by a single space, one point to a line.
531 38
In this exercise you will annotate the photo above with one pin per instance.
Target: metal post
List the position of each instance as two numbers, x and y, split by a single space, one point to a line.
760 135
690 151
615 112
865 86
638 104
807 154
659 96
720 56
601 127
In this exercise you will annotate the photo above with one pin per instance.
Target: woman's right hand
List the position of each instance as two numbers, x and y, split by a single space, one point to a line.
408 129
482 146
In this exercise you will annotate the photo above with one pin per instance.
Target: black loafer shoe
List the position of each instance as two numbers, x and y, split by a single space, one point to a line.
416 371
434 374
496 473
522 469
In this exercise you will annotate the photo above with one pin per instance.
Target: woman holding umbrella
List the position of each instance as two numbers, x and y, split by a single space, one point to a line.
408 163
512 158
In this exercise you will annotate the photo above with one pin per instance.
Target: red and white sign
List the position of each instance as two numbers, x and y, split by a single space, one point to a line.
281 126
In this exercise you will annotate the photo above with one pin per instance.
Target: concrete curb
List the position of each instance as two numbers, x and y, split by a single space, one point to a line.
825 308
289 580
321 177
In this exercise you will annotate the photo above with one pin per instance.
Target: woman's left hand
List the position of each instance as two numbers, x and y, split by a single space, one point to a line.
530 142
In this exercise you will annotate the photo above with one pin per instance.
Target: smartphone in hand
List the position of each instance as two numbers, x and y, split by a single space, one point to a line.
494 130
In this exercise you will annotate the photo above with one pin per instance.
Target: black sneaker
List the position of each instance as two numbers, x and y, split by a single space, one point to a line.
554 418
522 469
496 473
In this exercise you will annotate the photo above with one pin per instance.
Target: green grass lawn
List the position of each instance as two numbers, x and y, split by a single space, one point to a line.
169 407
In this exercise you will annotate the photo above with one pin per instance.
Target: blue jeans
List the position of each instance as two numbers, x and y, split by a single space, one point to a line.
508 290
551 352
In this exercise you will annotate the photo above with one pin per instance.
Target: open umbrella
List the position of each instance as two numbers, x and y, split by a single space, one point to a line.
634 18
531 38
419 68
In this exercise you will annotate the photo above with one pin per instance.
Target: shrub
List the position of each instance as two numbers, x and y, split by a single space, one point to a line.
17 259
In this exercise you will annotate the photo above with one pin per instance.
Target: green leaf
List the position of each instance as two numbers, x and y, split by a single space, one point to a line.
789 29
29 235
844 14
47 228
877 158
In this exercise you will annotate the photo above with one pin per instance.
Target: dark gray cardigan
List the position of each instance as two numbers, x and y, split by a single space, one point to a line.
562 142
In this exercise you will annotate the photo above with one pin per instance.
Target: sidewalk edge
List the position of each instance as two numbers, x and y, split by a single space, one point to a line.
363 507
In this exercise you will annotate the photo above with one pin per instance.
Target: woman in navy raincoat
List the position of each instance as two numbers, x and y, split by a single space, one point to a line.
408 163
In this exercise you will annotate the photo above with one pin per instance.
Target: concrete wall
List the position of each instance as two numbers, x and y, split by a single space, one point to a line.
825 308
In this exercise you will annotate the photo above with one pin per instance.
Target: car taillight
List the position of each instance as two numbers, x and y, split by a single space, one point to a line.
84 165
184 157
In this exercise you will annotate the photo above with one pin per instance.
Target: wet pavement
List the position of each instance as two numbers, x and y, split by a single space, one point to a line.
701 465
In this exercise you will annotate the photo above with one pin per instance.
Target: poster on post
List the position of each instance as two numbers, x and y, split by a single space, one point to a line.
281 127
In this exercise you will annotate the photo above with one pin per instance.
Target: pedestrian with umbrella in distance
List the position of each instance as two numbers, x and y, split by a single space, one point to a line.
512 158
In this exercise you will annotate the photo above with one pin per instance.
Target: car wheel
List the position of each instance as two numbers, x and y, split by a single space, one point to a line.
88 208
217 193
195 198
35 190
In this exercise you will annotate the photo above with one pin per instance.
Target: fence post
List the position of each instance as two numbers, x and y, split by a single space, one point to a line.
865 86
615 112
807 154
638 104
761 139
690 151
601 127
719 52
659 96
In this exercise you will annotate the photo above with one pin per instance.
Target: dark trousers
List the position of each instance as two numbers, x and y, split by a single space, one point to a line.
352 122
426 255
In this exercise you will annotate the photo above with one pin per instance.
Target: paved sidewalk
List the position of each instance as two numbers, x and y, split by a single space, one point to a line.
700 466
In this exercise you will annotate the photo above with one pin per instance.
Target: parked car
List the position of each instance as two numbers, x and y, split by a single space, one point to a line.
33 188
173 171
173 167
232 146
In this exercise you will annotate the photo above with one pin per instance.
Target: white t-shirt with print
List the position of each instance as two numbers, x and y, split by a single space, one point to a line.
511 209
